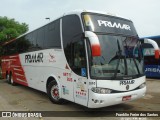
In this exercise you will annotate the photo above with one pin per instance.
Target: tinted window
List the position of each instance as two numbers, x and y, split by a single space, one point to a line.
29 37
34 38
79 59
40 38
73 42
23 45
150 60
3 50
11 48
71 26
157 40
52 35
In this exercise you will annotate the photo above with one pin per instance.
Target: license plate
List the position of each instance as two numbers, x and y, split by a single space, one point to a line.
125 98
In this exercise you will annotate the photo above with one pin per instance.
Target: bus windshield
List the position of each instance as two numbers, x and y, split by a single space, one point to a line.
120 57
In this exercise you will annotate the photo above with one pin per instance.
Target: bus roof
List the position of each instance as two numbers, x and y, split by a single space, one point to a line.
77 12
156 36
93 11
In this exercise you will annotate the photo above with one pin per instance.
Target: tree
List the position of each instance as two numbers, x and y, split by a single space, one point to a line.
9 29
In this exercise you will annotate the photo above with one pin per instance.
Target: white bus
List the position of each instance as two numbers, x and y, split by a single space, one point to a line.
86 57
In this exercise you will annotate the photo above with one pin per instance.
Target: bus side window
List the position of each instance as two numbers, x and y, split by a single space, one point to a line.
40 38
52 35
22 45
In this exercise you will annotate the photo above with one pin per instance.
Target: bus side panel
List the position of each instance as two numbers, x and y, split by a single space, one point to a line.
12 65
4 66
17 71
40 65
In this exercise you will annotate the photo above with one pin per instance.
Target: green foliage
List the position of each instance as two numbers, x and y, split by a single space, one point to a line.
9 29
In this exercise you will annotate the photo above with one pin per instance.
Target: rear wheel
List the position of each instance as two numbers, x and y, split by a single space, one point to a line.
53 92
8 78
11 79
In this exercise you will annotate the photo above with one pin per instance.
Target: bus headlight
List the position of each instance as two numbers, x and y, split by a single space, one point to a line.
101 90
142 85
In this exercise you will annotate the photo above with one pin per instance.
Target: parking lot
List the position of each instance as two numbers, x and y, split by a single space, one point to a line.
21 98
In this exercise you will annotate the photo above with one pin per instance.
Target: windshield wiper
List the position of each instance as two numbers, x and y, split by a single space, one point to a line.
136 65
119 54
133 58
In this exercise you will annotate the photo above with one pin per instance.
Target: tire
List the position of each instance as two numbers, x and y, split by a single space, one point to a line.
8 78
11 80
53 92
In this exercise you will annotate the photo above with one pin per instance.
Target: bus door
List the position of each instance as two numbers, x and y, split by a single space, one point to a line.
75 81
80 72
80 90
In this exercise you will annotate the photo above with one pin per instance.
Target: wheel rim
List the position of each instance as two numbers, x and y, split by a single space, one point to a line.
11 80
55 92
7 78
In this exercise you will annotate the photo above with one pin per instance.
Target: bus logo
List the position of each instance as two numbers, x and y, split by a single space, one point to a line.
113 25
34 58
126 82
127 87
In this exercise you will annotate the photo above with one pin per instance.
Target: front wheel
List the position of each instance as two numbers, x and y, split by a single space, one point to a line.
53 92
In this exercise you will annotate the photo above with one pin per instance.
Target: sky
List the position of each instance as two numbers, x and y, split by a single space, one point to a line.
144 13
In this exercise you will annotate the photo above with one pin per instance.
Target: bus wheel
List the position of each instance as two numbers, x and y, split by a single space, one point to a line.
53 92
8 78
11 80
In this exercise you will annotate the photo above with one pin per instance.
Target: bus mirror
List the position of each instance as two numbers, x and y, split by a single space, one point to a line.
94 41
155 46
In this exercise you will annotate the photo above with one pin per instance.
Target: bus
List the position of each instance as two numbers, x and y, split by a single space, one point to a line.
151 65
91 58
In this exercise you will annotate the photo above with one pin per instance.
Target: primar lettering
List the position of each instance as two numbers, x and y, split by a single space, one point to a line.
34 58
126 82
113 25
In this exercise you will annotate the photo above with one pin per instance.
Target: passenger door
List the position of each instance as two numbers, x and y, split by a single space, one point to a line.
74 50
80 72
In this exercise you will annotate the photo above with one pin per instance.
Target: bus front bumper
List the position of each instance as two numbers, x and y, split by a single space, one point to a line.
102 100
